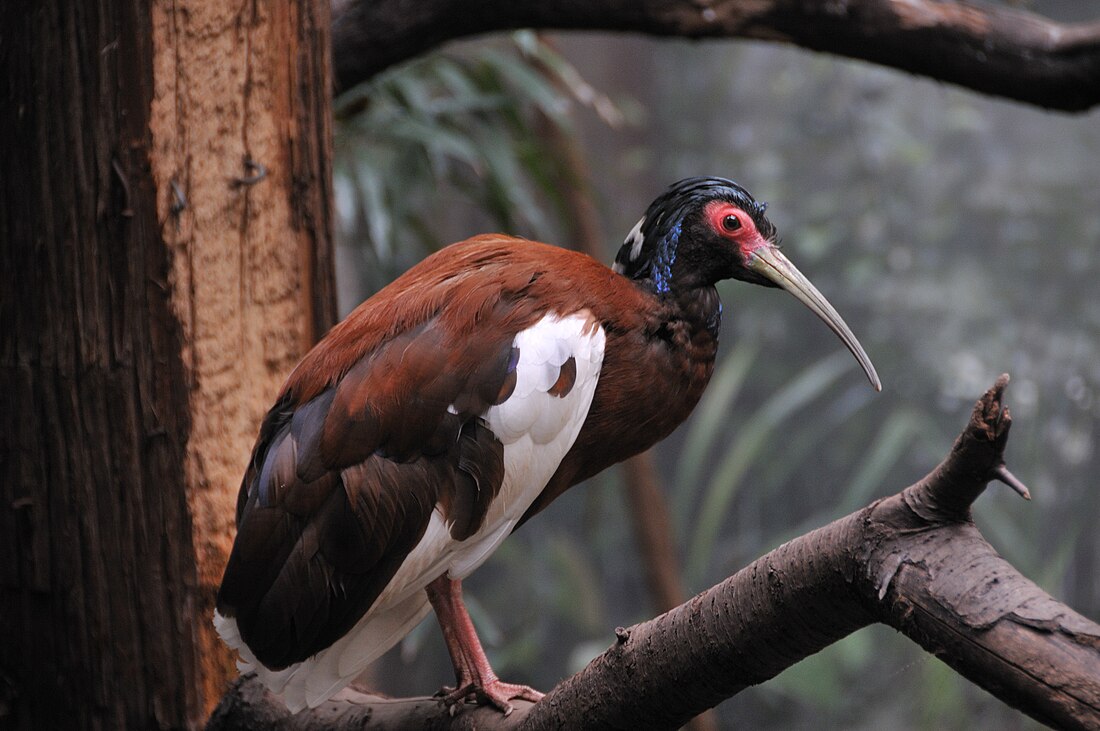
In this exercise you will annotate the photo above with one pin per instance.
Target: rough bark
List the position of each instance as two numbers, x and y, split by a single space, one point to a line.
914 561
241 126
988 48
154 290
95 407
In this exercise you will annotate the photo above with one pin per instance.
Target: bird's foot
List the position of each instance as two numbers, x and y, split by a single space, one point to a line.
495 693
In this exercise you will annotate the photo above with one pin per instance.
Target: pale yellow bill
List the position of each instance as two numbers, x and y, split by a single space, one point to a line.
769 262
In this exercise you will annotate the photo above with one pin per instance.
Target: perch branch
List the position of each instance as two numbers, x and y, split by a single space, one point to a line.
914 561
988 48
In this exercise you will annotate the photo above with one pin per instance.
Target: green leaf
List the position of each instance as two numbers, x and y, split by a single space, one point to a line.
706 426
753 443
893 440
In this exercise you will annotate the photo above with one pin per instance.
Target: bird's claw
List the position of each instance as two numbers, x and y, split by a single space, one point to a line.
495 693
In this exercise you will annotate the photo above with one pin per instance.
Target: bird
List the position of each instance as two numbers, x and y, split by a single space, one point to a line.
455 404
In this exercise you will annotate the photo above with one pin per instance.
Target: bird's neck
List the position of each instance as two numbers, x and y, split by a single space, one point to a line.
653 374
696 310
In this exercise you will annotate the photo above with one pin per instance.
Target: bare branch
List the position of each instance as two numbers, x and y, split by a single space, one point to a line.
987 48
945 587
914 561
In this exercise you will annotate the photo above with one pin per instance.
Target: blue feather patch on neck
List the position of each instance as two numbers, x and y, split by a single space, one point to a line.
714 322
665 258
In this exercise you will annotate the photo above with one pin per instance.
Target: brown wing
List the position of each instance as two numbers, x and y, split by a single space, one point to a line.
342 483
311 557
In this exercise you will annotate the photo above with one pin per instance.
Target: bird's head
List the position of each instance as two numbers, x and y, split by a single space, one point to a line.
703 230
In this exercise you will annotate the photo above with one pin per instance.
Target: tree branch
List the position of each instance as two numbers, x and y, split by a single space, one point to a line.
914 561
987 48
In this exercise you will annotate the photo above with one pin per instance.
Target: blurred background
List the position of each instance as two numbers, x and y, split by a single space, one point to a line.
955 233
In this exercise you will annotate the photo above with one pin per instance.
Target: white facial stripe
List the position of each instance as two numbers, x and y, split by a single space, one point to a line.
635 239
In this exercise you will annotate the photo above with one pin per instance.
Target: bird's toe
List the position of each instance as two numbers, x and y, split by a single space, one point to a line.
496 693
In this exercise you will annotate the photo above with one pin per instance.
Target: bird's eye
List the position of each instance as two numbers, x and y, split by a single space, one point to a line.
731 222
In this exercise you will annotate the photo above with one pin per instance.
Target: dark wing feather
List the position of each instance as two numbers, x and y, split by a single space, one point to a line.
479 476
342 486
307 426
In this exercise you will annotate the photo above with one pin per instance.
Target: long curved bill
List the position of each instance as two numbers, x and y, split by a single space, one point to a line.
769 262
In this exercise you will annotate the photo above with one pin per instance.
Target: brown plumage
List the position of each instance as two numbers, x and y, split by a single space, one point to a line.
383 468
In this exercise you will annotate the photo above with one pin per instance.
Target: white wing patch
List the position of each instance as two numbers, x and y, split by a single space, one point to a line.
537 428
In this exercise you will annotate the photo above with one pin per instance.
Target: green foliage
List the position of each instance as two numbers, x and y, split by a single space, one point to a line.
755 443
468 133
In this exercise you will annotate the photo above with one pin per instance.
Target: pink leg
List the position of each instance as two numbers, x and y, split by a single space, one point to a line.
472 671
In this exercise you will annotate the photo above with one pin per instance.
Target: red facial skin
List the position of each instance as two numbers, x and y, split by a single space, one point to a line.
722 216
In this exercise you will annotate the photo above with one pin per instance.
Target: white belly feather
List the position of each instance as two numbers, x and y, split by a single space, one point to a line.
537 429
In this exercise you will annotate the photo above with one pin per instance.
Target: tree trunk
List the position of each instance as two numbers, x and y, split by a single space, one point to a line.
164 260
